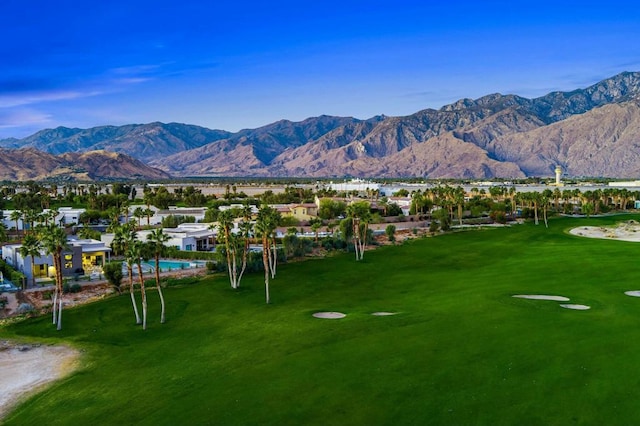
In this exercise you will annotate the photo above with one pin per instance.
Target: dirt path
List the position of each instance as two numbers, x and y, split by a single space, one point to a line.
28 369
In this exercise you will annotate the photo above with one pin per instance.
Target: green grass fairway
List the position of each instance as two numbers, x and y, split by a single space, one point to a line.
460 351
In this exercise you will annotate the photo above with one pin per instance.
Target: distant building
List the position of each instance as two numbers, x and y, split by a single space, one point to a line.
359 185
627 184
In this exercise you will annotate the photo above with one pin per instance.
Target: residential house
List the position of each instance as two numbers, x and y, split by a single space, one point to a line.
186 237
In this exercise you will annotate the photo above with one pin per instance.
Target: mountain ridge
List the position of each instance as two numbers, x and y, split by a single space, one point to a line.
482 138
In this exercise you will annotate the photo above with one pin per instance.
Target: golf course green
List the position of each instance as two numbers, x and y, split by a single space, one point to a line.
460 350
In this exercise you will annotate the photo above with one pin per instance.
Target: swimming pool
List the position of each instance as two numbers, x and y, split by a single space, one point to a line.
172 265
6 285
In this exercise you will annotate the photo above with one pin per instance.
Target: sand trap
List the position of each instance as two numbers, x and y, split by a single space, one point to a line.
542 297
624 231
634 293
577 307
383 314
25 369
329 315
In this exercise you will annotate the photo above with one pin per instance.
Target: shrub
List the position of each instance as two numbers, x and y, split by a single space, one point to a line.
113 274
71 288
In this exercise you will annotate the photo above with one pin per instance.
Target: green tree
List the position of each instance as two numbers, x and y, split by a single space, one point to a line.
139 213
16 216
157 238
135 254
360 214
31 246
127 237
231 246
113 274
4 236
316 224
390 230
266 225
443 218
54 241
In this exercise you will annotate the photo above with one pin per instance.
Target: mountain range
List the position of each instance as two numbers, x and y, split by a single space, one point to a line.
593 131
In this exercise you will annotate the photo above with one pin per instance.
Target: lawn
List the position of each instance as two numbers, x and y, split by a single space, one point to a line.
460 350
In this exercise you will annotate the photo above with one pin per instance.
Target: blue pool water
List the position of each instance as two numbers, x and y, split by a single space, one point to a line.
172 265
7 285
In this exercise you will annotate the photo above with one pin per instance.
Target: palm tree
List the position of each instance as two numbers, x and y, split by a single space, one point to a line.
16 216
266 224
360 215
148 213
3 233
54 241
139 213
225 224
135 252
31 246
124 237
157 238
458 197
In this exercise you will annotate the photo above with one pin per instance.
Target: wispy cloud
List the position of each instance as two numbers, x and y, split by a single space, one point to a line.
36 97
22 117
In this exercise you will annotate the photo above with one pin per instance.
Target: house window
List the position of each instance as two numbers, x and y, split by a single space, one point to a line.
68 261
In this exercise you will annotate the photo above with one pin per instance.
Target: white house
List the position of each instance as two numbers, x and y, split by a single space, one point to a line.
82 257
186 237
197 212
65 216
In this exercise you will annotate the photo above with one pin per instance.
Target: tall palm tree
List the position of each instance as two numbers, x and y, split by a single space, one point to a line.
16 216
54 241
138 213
123 239
225 225
266 224
31 246
135 252
360 215
4 236
157 238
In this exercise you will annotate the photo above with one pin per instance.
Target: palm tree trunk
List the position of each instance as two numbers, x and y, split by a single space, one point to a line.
133 298
144 297
160 288
58 262
33 275
273 259
55 304
265 262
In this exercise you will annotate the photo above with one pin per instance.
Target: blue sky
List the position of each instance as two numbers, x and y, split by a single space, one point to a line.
243 64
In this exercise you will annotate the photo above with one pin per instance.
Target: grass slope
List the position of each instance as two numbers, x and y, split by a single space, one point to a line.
460 351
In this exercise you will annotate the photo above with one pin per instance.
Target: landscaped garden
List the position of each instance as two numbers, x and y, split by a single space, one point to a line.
459 349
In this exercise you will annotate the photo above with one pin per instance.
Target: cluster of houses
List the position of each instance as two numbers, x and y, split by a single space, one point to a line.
88 256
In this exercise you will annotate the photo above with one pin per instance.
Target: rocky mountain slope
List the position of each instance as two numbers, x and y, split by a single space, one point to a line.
32 164
586 131
143 141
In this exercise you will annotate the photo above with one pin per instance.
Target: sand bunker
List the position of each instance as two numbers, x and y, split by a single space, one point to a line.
625 231
577 307
634 293
25 369
542 297
383 314
329 315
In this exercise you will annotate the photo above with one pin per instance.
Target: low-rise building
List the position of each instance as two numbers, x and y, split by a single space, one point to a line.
82 256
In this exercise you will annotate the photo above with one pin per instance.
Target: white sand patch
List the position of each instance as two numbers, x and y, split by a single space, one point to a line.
577 307
634 293
542 297
329 315
625 231
383 314
25 369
